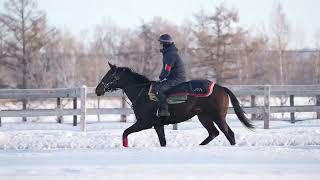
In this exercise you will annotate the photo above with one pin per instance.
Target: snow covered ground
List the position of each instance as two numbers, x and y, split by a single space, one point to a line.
35 150
220 162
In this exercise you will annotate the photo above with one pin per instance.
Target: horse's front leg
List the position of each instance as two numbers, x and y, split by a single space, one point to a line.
161 135
136 127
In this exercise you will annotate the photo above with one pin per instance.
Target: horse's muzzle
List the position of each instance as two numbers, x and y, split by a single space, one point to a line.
100 91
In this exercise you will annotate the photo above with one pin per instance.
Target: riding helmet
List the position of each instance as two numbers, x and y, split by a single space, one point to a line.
165 39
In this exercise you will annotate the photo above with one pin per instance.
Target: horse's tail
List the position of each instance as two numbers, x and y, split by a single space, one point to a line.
238 110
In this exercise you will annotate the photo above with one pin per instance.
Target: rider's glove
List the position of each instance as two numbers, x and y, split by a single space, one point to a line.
163 80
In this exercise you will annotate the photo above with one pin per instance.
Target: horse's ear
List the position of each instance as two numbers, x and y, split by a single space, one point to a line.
112 66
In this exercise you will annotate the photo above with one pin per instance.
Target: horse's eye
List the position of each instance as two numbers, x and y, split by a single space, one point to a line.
116 78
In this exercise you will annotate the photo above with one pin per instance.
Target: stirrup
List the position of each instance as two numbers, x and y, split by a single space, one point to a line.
162 113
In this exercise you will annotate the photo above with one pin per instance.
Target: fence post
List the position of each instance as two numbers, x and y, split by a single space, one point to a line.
292 118
266 117
59 118
24 107
98 112
175 127
75 107
123 105
253 104
318 104
83 96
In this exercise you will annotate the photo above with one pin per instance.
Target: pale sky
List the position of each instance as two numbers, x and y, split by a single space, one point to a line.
78 15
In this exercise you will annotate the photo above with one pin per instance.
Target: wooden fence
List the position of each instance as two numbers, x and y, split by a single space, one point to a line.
83 93
270 91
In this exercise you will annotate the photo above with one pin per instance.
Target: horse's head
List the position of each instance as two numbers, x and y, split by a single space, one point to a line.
113 80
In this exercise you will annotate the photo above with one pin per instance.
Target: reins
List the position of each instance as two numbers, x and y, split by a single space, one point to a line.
134 101
139 94
137 85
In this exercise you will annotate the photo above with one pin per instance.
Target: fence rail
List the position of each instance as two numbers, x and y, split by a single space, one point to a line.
84 93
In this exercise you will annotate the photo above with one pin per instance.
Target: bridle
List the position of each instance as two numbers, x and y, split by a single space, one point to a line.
104 85
116 78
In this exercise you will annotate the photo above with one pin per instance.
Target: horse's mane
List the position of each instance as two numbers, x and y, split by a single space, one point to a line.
136 76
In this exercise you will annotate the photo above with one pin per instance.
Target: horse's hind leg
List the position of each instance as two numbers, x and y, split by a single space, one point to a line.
221 102
223 126
161 135
231 134
207 122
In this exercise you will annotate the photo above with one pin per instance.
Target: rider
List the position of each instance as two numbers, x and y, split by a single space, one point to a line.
173 72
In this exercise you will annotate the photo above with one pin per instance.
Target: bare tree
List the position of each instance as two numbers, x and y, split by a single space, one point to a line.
147 50
59 61
252 52
281 29
104 46
2 41
317 60
26 33
216 35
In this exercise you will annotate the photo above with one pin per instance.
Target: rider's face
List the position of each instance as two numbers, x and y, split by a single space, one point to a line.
161 47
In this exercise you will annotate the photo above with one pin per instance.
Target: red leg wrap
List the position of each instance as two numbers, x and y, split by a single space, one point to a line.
125 142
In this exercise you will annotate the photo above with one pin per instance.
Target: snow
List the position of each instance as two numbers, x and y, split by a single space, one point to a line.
36 150
43 149
169 163
49 136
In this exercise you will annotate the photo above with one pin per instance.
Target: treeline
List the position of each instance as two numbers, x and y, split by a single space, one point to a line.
34 54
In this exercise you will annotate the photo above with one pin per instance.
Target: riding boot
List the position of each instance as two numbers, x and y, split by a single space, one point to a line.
163 106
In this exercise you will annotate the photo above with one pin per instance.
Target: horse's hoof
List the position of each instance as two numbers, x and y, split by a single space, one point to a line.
163 145
125 142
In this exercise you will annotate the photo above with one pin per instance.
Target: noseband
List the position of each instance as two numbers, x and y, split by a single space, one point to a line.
104 85
109 83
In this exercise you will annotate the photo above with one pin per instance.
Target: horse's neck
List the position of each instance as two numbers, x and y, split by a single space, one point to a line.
133 91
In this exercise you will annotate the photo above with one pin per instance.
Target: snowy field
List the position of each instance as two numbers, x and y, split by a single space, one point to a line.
36 150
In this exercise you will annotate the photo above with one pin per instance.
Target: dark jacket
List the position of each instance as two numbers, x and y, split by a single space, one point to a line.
173 67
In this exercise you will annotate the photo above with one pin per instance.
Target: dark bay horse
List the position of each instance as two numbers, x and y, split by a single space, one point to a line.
210 110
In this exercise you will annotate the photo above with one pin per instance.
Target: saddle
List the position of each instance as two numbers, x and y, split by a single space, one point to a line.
180 93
